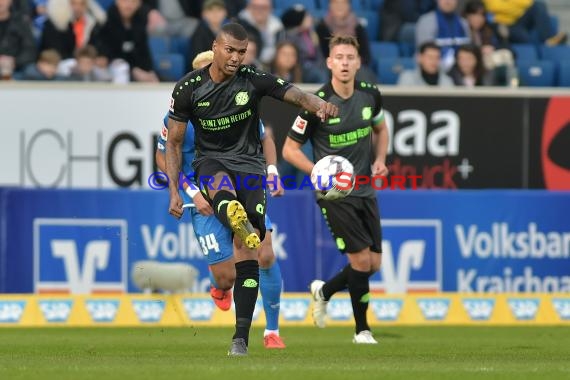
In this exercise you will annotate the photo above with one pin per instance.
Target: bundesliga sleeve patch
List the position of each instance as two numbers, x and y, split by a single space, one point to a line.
300 125
164 133
171 108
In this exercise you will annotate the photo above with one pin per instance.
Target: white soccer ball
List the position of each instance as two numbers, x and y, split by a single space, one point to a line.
333 177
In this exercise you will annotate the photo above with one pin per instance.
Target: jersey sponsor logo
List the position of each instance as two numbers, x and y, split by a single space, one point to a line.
479 309
562 307
339 310
294 309
386 310
199 310
148 311
524 309
164 133
300 125
434 309
171 107
56 310
411 256
241 98
80 256
11 311
102 311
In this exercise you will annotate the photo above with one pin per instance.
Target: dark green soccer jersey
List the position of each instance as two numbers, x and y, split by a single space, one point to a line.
226 115
348 135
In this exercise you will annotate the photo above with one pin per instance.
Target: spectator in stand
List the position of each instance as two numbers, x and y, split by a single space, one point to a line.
214 15
518 18
234 7
483 34
299 29
468 70
341 20
251 55
497 57
285 64
428 71
258 20
45 68
17 45
85 69
399 17
124 37
71 24
446 27
181 17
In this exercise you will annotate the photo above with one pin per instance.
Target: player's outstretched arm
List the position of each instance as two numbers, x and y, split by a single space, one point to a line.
293 154
311 102
176 133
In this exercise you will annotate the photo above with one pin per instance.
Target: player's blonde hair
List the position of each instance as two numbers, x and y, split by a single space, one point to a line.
343 40
202 59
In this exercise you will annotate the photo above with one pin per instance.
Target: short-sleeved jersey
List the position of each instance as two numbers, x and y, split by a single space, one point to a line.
226 115
188 147
349 134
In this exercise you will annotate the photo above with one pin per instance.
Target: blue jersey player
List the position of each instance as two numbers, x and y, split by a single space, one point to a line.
216 240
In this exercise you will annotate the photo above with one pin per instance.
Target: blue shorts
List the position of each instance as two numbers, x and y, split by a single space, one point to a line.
215 239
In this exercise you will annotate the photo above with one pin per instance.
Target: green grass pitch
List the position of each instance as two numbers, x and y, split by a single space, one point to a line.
200 353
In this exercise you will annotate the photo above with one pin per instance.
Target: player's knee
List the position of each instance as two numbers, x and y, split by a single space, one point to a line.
225 281
376 262
266 256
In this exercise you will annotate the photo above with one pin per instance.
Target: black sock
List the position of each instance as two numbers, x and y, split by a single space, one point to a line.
220 206
359 290
336 284
245 295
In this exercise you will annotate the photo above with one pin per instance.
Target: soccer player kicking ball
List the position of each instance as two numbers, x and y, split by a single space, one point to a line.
216 241
222 102
354 221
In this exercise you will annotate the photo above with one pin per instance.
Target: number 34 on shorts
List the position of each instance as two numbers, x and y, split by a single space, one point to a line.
209 244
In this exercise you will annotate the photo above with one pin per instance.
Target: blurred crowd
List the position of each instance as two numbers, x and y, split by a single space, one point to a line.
434 42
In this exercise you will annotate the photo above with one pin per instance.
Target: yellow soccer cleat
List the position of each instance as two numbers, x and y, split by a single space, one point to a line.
241 226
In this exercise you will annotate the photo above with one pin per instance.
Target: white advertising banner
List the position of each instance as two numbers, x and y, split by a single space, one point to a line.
78 136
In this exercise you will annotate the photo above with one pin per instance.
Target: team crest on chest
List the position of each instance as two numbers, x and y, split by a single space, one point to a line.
241 98
366 113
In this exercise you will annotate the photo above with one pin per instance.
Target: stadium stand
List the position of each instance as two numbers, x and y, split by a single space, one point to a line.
536 74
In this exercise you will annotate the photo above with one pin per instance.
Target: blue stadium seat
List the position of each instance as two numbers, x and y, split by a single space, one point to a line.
105 3
372 23
389 69
284 4
374 5
407 49
525 52
382 50
564 74
555 53
170 67
158 45
536 74
180 45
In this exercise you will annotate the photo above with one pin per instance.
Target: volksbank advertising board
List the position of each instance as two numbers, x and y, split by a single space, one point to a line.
82 242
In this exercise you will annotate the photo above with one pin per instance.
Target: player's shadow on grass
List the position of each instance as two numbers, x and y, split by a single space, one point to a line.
388 335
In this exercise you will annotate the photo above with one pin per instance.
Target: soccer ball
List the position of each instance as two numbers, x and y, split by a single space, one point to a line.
333 177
